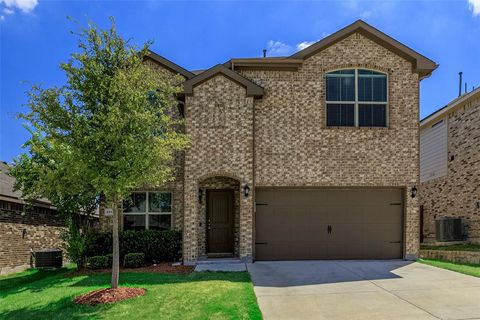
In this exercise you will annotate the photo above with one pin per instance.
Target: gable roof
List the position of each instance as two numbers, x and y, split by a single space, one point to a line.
169 65
450 107
421 64
253 90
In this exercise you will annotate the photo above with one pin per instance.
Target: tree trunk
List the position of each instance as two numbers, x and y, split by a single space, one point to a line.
116 246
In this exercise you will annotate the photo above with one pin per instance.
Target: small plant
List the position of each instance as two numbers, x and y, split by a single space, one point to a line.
97 262
134 260
75 244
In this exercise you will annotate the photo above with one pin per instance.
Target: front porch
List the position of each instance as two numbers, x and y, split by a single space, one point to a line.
218 224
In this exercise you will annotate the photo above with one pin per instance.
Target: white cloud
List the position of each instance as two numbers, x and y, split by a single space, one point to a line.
278 48
23 5
474 5
8 11
305 44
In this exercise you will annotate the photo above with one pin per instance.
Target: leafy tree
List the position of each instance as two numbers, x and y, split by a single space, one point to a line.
109 130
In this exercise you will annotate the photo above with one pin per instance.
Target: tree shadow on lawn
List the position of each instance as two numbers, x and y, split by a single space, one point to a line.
64 308
138 279
35 282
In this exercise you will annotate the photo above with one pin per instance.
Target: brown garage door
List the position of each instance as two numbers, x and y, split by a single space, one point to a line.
328 224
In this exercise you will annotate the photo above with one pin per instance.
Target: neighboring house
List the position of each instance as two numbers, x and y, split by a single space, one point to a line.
450 165
311 156
24 226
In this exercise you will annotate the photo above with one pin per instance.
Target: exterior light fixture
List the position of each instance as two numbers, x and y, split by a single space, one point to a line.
246 190
200 195
414 192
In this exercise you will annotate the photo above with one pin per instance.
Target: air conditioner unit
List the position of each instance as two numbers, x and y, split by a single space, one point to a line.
449 229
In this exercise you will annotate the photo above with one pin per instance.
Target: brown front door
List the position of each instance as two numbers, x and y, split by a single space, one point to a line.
220 222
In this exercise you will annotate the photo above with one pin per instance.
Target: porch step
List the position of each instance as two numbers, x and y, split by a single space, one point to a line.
223 267
218 260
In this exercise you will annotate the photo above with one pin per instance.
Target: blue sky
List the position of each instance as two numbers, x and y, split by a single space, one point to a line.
35 37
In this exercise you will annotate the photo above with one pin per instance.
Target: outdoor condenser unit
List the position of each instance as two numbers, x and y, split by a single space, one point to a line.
449 229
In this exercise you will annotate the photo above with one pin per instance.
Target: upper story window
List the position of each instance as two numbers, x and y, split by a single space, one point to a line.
148 210
356 98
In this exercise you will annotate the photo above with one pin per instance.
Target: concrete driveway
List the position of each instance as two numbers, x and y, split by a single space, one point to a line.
363 290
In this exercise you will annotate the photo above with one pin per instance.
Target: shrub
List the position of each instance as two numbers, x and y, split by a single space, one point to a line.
97 262
156 245
134 260
76 243
100 244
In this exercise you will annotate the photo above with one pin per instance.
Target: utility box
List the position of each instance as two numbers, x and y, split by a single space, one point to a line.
449 229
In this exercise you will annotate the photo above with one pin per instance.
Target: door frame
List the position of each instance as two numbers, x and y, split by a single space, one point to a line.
232 224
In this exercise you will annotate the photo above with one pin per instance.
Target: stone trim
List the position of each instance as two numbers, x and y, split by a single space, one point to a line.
469 257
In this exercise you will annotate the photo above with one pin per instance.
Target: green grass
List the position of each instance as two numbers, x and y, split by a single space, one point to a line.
470 269
454 247
204 295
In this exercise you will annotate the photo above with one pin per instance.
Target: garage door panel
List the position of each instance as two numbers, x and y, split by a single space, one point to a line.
293 224
383 214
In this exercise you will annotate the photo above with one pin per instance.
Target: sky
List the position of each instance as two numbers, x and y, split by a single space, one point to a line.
35 37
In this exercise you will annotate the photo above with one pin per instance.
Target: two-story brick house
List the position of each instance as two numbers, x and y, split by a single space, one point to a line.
311 156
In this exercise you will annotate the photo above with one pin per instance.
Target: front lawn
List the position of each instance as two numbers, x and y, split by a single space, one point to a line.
470 269
204 295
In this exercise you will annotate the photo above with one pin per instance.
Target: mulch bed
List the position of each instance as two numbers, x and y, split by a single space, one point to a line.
165 267
108 295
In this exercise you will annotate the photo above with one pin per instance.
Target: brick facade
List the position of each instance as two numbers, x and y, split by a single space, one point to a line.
281 140
457 194
20 232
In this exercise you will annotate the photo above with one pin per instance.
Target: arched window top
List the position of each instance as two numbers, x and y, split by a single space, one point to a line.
356 97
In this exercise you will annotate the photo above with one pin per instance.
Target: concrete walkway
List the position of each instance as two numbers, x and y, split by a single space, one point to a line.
363 290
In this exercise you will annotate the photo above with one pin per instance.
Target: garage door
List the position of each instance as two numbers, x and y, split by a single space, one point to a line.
328 224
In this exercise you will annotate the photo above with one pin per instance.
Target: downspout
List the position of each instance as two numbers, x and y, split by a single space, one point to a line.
254 213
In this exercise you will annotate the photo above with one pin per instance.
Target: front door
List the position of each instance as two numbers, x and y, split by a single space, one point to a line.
220 222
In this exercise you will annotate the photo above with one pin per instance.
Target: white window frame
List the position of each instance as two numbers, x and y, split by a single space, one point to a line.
356 103
147 208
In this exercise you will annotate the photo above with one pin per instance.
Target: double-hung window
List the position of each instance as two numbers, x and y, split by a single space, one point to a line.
148 210
356 98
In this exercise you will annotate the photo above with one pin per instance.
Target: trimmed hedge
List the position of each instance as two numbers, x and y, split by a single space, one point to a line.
134 260
97 262
157 245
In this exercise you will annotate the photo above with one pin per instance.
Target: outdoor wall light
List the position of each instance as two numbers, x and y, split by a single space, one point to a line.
246 190
414 192
200 195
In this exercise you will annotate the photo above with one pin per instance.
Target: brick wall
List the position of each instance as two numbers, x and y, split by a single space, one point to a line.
42 231
219 120
457 193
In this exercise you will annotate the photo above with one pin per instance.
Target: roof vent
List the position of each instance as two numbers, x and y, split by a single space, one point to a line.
264 53
460 83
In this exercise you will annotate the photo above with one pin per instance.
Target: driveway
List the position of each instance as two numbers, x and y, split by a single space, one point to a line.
363 290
